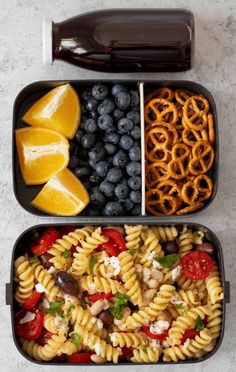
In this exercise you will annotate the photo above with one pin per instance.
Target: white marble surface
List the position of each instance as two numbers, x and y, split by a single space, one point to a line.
215 66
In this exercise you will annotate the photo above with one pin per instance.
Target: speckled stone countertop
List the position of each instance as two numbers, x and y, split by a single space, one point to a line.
215 66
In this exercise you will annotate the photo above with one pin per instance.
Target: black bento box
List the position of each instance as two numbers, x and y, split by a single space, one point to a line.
28 95
19 249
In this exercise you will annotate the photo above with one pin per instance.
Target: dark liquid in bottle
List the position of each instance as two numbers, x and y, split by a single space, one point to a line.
127 40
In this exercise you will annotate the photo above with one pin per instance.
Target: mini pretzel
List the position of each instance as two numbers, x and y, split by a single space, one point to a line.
211 129
169 187
160 109
155 173
172 130
181 95
157 140
191 136
178 167
157 203
191 208
195 112
198 190
160 93
203 157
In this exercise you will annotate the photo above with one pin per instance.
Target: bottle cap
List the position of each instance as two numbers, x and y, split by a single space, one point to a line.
47 41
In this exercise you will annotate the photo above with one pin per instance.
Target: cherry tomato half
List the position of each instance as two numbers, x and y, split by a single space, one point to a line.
189 333
30 330
32 300
100 296
154 336
196 265
45 335
42 244
110 248
116 237
79 358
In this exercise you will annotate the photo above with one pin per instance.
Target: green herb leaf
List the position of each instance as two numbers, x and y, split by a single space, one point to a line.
76 338
167 261
108 340
55 308
144 350
34 260
133 250
68 311
199 324
179 306
121 300
83 302
92 263
208 237
66 254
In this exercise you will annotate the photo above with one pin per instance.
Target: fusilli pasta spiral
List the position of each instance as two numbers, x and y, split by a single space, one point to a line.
25 274
146 355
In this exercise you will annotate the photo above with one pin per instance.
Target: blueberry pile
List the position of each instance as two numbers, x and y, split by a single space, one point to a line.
105 152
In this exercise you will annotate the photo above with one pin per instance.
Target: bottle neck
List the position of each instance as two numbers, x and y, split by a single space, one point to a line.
55 41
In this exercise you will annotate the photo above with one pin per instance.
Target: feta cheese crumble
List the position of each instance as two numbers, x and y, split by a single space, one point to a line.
176 272
40 288
114 262
98 349
159 327
186 344
45 303
52 270
27 318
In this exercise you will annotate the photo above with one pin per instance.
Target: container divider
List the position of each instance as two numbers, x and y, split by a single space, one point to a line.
141 93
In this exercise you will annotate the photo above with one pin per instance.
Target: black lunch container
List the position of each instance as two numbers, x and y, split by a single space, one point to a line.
31 93
19 248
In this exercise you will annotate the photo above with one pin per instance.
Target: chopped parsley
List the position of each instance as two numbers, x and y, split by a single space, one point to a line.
92 263
55 308
76 338
132 250
199 324
34 260
144 349
121 300
70 308
178 306
167 261
66 254
83 302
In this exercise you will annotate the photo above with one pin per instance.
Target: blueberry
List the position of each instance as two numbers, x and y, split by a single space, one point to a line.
87 184
82 122
73 162
111 129
105 122
97 198
128 205
118 114
134 182
113 138
93 115
107 188
90 125
114 175
136 132
79 135
102 168
136 211
113 209
125 125
110 148
92 164
99 91
122 100
86 94
121 191
135 196
106 106
134 116
120 159
134 98
133 169
118 88
135 153
82 172
94 178
126 142
88 140
72 146
91 104
83 163
97 153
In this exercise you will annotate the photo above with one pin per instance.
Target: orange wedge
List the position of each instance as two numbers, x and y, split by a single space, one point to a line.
58 110
63 195
42 153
